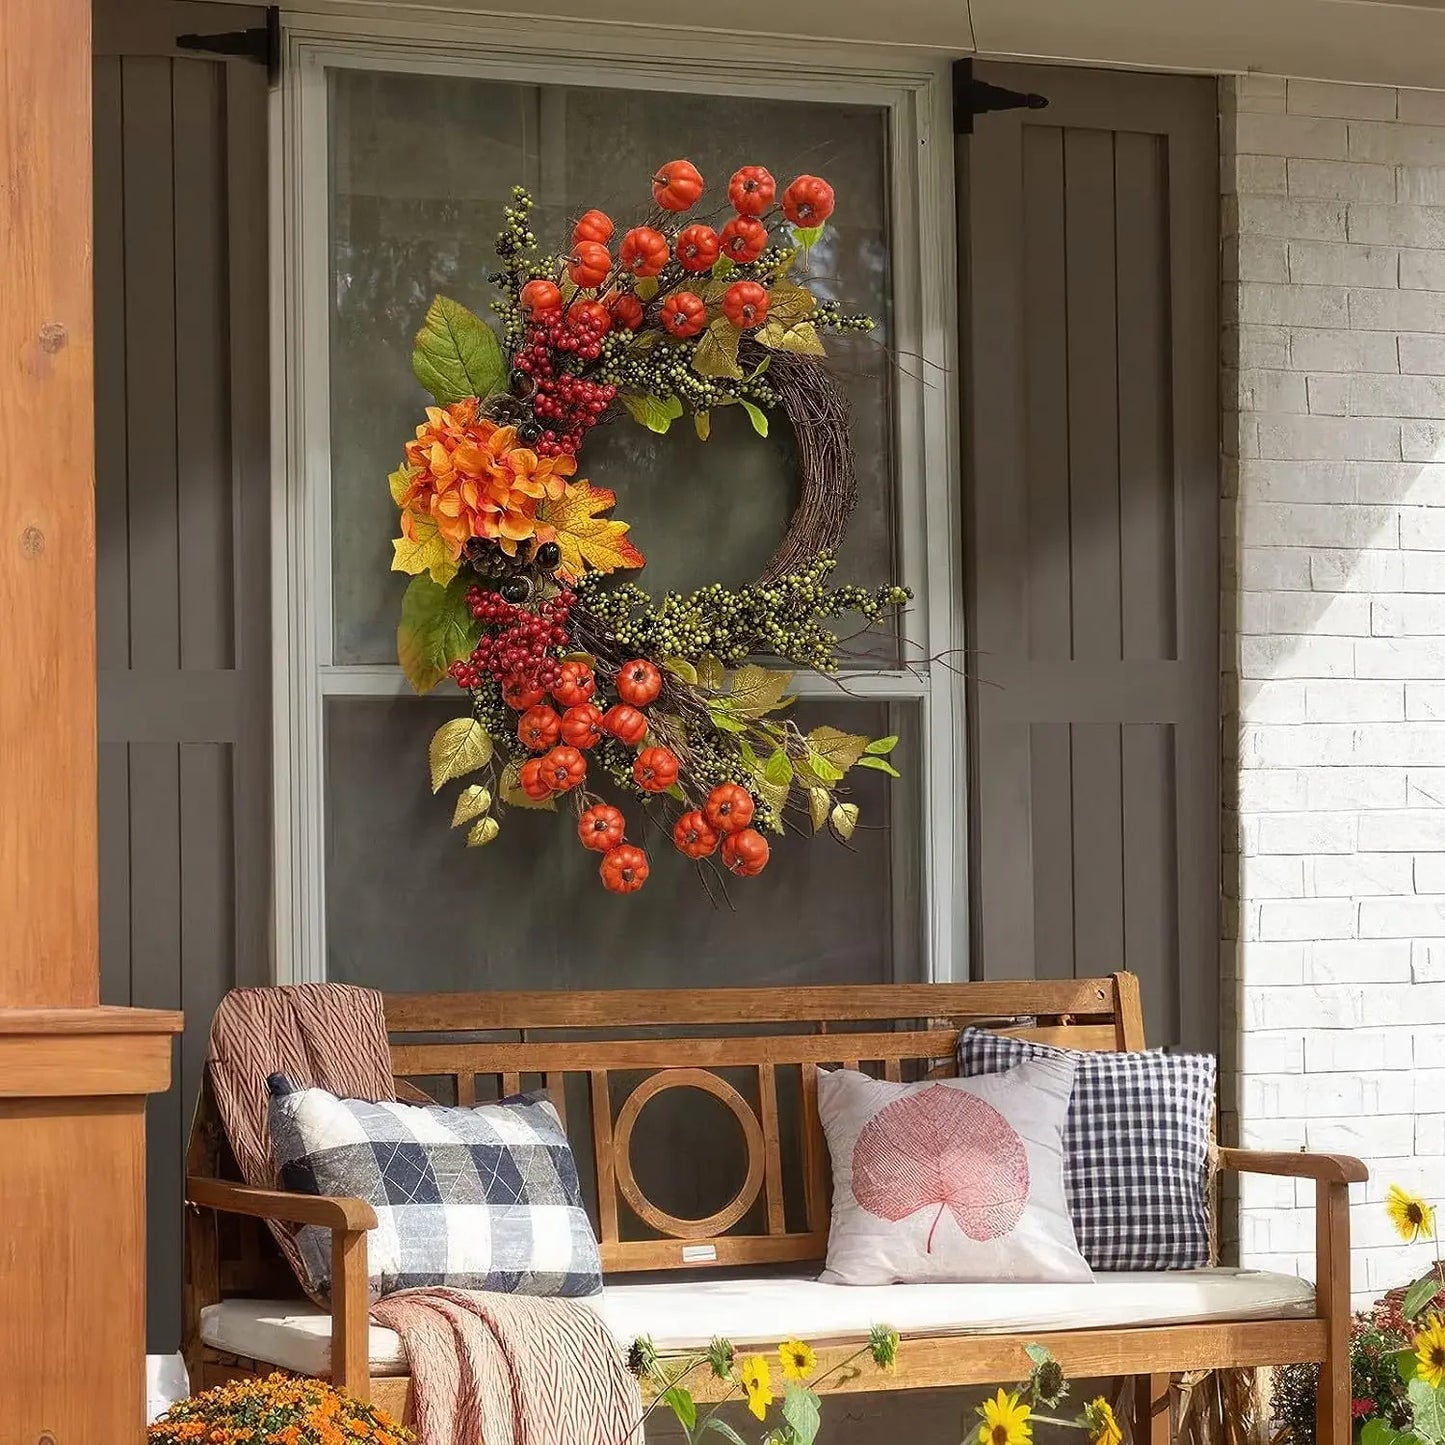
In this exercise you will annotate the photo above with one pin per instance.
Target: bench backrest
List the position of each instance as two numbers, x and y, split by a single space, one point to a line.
604 1055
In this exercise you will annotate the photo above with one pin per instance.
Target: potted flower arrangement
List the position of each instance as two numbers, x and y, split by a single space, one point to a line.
280 1410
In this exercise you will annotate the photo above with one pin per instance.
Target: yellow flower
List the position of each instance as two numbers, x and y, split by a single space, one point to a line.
758 1382
1005 1421
1103 1427
1430 1352
1410 1215
798 1359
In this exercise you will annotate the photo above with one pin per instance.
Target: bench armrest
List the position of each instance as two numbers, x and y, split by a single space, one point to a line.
281 1205
1322 1168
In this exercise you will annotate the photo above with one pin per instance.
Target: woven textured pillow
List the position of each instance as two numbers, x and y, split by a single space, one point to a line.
1136 1148
950 1180
484 1198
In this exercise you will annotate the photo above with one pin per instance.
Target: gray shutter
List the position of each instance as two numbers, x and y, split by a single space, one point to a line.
1092 536
182 524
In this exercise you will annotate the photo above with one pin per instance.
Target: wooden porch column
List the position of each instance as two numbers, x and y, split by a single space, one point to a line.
73 1076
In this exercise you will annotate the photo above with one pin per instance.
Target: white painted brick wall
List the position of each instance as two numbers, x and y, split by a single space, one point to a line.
1334 612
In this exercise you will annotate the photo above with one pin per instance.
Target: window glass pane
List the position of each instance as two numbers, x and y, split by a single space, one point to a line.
409 907
420 168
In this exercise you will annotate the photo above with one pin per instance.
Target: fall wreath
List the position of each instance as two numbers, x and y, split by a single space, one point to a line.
575 677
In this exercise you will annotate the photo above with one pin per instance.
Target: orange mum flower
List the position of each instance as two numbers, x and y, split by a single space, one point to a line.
468 476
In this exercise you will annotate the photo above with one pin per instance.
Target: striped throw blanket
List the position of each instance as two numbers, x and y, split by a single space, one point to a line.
511 1370
487 1369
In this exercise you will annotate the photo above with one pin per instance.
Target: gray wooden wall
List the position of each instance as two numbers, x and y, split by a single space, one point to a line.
182 506
1091 240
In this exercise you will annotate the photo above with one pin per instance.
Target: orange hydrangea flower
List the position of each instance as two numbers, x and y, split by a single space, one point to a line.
468 476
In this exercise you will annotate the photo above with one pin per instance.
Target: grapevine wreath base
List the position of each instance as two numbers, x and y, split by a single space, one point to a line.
577 679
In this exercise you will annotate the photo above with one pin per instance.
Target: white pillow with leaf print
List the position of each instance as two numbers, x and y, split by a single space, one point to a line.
951 1180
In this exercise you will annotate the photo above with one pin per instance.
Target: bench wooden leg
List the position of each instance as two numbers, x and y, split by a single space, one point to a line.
1333 1423
1151 1410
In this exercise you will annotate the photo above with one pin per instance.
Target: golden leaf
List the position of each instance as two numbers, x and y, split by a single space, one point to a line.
681 667
588 542
716 352
399 481
483 833
818 801
774 794
646 287
710 673
702 424
802 339
840 748
473 802
458 748
789 303
844 819
427 553
758 690
509 786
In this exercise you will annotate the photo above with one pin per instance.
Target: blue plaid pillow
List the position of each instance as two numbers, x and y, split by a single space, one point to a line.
484 1198
1136 1149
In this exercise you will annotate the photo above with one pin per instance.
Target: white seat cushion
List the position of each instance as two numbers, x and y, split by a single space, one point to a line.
684 1314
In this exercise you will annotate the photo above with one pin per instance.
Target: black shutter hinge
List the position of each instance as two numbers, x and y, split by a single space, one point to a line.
973 97
261 43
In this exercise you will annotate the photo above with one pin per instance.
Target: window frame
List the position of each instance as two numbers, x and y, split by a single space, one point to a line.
917 97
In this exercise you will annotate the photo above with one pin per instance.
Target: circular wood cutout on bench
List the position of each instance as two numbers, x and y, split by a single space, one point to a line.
642 1206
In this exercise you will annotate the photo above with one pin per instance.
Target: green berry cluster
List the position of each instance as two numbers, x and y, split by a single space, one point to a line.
784 619
665 369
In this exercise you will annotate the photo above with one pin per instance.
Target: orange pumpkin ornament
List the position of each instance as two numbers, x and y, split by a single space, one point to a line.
624 869
694 836
582 726
683 314
601 827
644 251
540 295
564 768
696 248
655 770
539 728
808 201
745 304
594 313
593 226
522 695
534 784
729 808
751 190
575 684
625 724
638 682
627 310
589 263
677 186
745 853
743 239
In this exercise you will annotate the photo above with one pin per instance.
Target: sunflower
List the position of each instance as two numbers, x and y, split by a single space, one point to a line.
1410 1215
1103 1427
1005 1421
757 1381
1430 1352
798 1359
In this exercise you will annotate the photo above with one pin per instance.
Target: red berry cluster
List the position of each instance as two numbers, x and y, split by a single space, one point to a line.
520 648
566 406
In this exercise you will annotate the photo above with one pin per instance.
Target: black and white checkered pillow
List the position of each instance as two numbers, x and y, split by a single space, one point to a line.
484 1198
1136 1149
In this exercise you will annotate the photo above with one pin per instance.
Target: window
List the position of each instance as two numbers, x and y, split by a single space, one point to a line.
399 164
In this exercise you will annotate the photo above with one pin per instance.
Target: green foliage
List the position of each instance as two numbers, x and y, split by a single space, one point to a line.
1420 1295
436 629
457 354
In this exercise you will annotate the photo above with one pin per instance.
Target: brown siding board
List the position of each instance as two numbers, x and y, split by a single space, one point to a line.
150 334
1092 274
202 384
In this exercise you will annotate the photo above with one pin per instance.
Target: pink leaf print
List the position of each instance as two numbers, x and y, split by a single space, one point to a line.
943 1147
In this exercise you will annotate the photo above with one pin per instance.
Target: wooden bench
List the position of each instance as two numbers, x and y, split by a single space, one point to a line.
604 1055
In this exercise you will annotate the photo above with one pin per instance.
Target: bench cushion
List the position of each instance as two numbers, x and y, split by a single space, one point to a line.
687 1313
